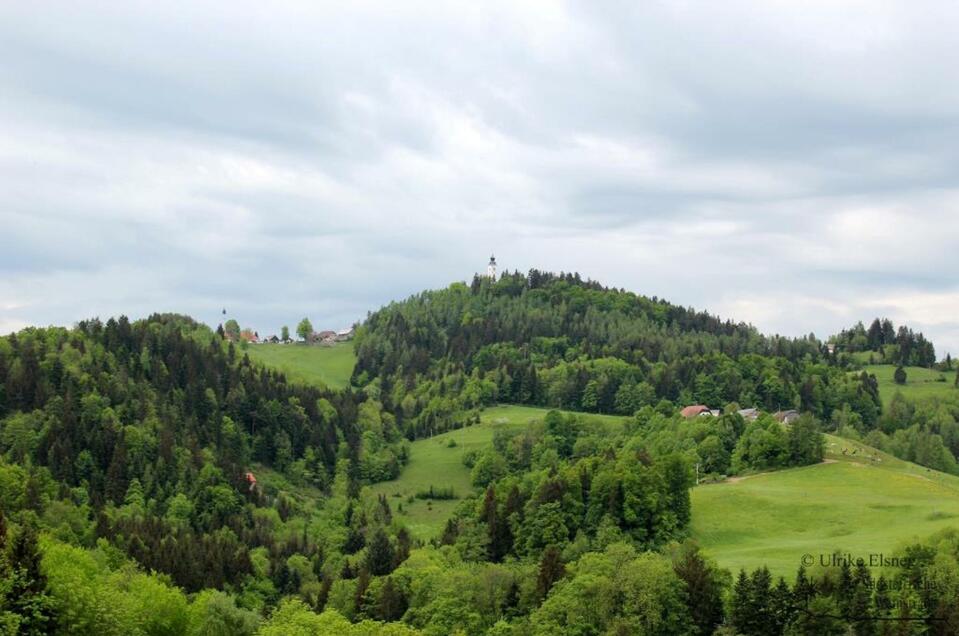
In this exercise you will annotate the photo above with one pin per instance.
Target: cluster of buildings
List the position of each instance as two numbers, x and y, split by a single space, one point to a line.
699 410
318 337
328 337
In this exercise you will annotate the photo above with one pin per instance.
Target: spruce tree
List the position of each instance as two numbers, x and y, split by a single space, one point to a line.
860 604
551 569
843 590
379 559
781 609
760 600
740 610
26 594
391 604
704 590
804 589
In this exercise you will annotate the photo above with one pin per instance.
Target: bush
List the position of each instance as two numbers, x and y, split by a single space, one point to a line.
436 493
470 457
900 375
488 468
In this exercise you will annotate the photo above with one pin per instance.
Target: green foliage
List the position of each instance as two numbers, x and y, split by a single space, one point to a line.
488 468
305 330
148 435
447 352
615 591
900 375
889 345
436 493
232 329
214 613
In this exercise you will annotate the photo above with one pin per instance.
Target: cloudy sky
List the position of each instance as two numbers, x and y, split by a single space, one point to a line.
792 165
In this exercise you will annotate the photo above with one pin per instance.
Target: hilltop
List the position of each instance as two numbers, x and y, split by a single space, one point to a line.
563 342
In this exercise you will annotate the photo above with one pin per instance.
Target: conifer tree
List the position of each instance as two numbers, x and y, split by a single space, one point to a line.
26 593
704 589
803 589
379 558
391 604
551 569
781 609
740 609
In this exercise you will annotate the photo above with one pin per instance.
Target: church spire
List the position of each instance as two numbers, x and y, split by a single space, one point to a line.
491 268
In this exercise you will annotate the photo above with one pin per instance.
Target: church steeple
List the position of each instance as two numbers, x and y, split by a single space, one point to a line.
491 268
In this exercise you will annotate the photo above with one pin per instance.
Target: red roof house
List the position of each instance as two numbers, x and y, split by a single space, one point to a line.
694 410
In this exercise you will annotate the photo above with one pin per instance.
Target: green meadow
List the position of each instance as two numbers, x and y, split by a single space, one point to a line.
920 382
316 364
438 462
862 502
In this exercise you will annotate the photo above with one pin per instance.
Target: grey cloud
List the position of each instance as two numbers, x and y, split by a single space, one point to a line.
786 165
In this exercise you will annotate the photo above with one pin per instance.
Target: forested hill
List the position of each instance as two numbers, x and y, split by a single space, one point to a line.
104 399
561 341
149 428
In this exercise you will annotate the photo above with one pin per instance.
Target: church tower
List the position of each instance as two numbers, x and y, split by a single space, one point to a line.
491 268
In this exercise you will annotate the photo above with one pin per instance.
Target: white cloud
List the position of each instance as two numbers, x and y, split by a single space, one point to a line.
790 164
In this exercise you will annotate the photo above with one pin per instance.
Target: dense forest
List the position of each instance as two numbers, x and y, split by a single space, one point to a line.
890 345
143 435
562 342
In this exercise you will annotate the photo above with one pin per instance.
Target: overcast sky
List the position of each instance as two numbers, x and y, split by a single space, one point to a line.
791 165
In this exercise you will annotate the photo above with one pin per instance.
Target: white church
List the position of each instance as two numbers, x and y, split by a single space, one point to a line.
491 268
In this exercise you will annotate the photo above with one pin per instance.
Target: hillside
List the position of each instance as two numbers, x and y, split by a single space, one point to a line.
144 439
852 504
920 383
562 342
328 366
438 462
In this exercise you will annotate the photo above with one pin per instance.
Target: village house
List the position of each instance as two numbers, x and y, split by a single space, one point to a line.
325 337
786 417
695 410
748 414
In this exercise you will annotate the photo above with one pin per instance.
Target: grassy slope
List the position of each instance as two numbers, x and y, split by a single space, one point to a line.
855 504
434 462
920 382
330 366
860 503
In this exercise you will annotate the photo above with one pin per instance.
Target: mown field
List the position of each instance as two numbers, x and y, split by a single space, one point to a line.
862 502
329 366
435 462
920 382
